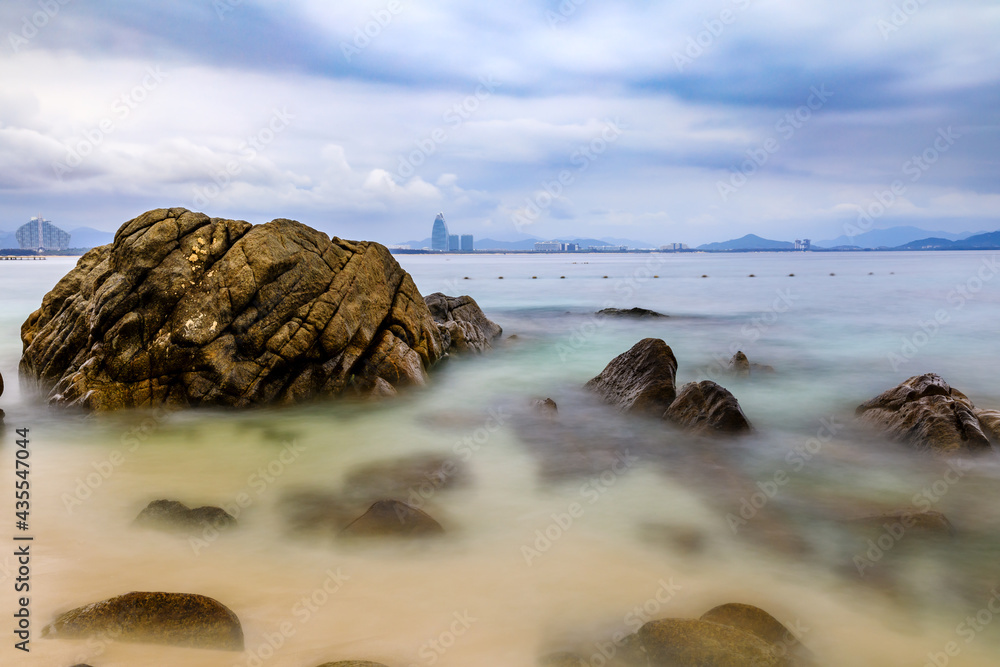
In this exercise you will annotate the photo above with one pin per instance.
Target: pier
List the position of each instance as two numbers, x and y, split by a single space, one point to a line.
11 257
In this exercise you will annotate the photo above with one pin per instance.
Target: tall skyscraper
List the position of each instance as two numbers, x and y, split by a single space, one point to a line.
467 244
453 243
41 234
439 234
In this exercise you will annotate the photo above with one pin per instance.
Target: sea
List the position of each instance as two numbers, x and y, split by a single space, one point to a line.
574 527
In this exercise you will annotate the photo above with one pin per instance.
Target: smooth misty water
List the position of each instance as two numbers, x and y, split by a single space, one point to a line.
660 520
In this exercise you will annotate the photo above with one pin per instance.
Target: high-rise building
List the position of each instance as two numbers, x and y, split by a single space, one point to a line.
439 234
41 234
467 243
548 246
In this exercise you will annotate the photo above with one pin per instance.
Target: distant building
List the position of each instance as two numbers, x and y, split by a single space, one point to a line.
548 246
571 247
402 246
608 248
41 234
675 246
453 243
439 234
802 244
467 243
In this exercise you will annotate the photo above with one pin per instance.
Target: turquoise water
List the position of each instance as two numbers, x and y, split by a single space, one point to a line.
655 509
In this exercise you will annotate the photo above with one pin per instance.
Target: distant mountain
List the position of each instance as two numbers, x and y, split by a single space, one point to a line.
8 240
631 243
986 241
749 242
890 238
88 237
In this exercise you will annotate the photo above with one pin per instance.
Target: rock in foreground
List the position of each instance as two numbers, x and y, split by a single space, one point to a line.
926 413
674 642
184 309
708 408
640 380
462 324
177 619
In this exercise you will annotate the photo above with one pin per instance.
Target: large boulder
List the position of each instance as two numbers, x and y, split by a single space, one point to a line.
671 642
926 413
184 309
177 619
708 408
462 323
639 380
761 624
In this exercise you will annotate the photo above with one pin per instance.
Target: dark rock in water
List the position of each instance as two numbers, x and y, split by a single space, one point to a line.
927 414
177 619
352 663
183 309
392 518
316 511
2 415
545 405
417 477
989 421
739 365
462 323
640 380
629 312
674 642
929 523
1 384
173 515
761 624
709 408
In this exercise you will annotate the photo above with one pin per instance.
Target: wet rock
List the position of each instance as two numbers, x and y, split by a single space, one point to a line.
545 405
929 522
177 619
414 478
739 365
630 312
1 384
2 415
174 515
640 380
183 309
393 518
926 413
463 325
708 408
761 624
673 642
989 421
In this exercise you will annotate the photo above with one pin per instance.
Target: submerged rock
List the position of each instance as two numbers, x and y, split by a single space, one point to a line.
418 476
174 515
393 518
545 405
629 312
639 380
184 309
739 365
672 642
462 324
708 408
926 413
177 619
899 522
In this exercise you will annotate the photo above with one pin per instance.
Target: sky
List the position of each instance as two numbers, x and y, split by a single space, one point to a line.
658 121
